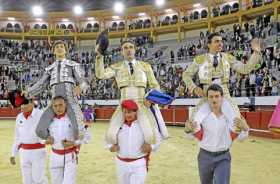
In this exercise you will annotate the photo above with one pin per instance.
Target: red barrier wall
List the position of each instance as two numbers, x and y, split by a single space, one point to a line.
8 112
167 115
256 120
253 119
181 114
173 116
104 113
265 118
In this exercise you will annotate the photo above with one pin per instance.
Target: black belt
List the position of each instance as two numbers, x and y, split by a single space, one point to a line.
214 153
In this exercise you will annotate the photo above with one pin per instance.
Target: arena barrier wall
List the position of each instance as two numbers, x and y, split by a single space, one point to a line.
177 116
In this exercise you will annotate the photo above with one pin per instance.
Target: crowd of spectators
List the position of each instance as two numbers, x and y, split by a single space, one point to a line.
27 60
142 23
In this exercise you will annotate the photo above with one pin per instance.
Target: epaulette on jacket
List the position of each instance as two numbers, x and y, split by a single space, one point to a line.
229 57
144 64
200 59
117 65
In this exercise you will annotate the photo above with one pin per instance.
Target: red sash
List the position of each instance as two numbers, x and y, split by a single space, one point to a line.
31 146
65 151
147 158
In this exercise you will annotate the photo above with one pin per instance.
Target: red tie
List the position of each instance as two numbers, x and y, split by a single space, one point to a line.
27 114
60 116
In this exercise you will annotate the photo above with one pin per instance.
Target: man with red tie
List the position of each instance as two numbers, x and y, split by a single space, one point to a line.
132 151
65 145
30 147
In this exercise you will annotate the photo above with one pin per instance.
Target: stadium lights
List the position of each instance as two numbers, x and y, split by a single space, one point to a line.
116 17
37 10
118 7
196 5
141 14
78 10
160 2
11 18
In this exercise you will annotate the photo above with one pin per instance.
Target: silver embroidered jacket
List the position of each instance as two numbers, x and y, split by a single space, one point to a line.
60 72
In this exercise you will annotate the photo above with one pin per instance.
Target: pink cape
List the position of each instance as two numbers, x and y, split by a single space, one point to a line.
274 123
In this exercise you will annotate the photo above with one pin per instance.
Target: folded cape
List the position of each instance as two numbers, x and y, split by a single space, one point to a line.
158 97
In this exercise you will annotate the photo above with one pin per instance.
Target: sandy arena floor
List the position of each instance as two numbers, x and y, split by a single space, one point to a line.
254 161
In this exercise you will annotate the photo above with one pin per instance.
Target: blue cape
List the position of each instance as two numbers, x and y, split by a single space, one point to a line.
158 97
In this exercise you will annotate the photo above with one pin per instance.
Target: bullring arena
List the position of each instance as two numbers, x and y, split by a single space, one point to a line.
168 35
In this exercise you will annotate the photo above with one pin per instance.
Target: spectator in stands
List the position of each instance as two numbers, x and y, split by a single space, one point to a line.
259 80
275 87
253 83
1 92
276 54
172 56
247 85
265 88
88 114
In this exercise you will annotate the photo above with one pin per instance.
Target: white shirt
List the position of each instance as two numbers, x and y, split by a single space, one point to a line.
25 130
216 133
212 57
131 139
134 62
61 129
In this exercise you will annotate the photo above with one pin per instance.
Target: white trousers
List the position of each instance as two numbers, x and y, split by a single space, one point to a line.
33 166
63 168
131 172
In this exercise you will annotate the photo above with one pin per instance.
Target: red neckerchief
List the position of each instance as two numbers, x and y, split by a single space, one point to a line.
60 116
27 114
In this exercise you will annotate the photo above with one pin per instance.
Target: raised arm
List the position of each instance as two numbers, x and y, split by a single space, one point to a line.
242 68
253 60
40 85
100 71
